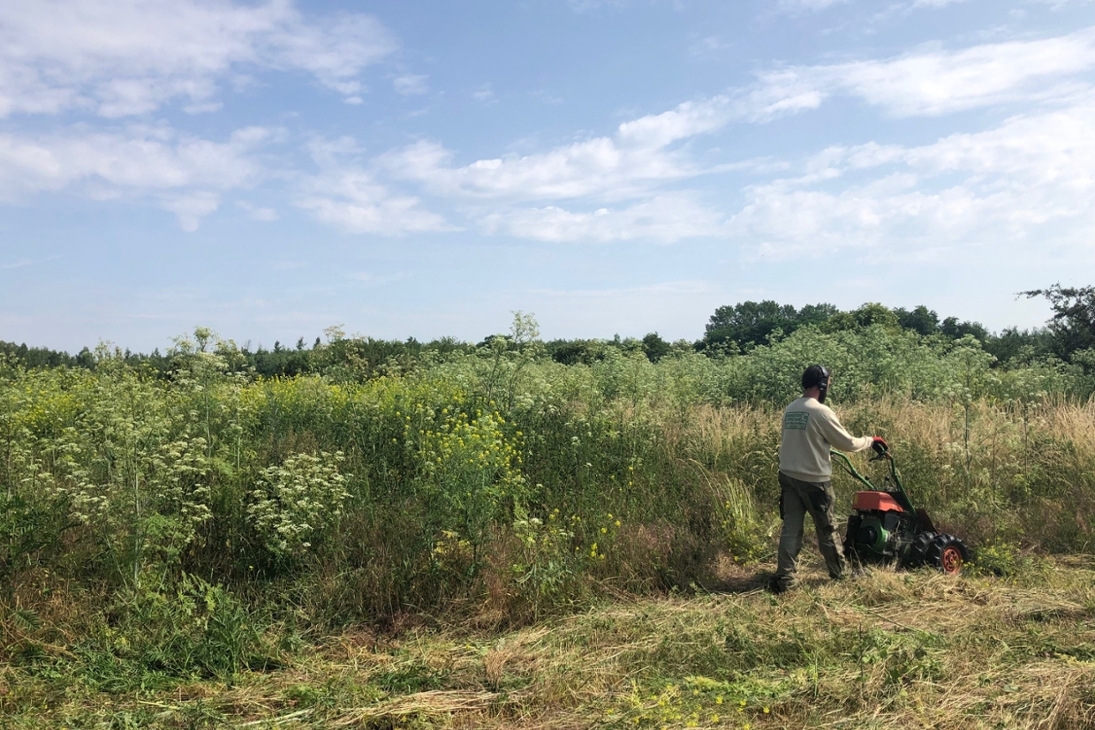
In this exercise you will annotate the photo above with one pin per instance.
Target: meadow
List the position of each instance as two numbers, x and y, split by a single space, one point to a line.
486 536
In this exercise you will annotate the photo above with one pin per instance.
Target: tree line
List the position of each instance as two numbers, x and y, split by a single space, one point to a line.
1068 336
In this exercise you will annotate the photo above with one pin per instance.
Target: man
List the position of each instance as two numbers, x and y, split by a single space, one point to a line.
810 428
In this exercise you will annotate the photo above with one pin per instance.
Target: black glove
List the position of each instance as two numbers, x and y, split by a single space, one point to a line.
879 445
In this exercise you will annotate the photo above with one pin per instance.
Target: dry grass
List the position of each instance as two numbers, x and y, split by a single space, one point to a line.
886 650
1020 474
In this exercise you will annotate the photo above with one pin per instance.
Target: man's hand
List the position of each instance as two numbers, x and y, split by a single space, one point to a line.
879 445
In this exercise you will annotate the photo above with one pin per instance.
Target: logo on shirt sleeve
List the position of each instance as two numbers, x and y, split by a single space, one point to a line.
795 421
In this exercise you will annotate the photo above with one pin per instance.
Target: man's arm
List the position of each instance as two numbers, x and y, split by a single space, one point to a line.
839 438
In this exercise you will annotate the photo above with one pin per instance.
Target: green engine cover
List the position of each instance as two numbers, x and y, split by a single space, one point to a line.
872 534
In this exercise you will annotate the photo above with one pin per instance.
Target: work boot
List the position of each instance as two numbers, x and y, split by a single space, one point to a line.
778 585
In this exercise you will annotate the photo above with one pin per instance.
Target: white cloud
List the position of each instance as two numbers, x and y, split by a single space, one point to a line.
190 208
410 84
1007 189
349 197
354 201
931 82
623 174
181 173
639 157
335 50
122 57
616 168
687 120
936 82
620 181
620 187
484 93
597 167
663 218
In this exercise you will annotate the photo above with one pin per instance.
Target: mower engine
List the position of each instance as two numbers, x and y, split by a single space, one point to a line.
879 528
886 528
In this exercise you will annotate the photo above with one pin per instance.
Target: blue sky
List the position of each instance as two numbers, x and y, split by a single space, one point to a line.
423 169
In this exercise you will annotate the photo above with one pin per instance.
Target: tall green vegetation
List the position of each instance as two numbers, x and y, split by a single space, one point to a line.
193 492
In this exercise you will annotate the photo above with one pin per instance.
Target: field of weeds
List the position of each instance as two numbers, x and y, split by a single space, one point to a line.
491 538
884 650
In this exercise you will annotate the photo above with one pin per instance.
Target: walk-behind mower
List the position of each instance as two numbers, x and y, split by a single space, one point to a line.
887 529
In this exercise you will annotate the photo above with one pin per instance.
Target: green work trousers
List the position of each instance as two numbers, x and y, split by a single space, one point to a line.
795 500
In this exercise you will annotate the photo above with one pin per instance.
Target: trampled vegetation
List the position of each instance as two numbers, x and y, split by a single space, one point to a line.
183 518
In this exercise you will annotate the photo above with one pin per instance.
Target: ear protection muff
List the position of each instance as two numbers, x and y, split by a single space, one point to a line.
823 386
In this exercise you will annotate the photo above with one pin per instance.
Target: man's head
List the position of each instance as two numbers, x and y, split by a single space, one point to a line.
817 376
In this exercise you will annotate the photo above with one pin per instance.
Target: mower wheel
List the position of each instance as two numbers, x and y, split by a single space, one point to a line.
947 553
918 551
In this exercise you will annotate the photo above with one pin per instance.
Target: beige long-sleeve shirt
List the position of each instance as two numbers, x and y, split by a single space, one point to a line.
809 429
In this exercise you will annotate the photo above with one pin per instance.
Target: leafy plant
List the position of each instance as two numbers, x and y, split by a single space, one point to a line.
296 504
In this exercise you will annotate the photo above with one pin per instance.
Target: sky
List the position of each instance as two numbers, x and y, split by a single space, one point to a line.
424 169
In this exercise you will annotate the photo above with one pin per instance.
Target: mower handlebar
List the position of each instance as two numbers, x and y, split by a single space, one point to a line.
885 455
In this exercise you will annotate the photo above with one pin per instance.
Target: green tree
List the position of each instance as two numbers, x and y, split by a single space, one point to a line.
752 323
1014 346
816 314
921 320
654 347
575 352
954 329
1073 320
869 314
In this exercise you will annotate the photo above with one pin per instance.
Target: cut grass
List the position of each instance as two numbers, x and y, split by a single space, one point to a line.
885 649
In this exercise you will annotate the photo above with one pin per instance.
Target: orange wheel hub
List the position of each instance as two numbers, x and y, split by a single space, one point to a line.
951 560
